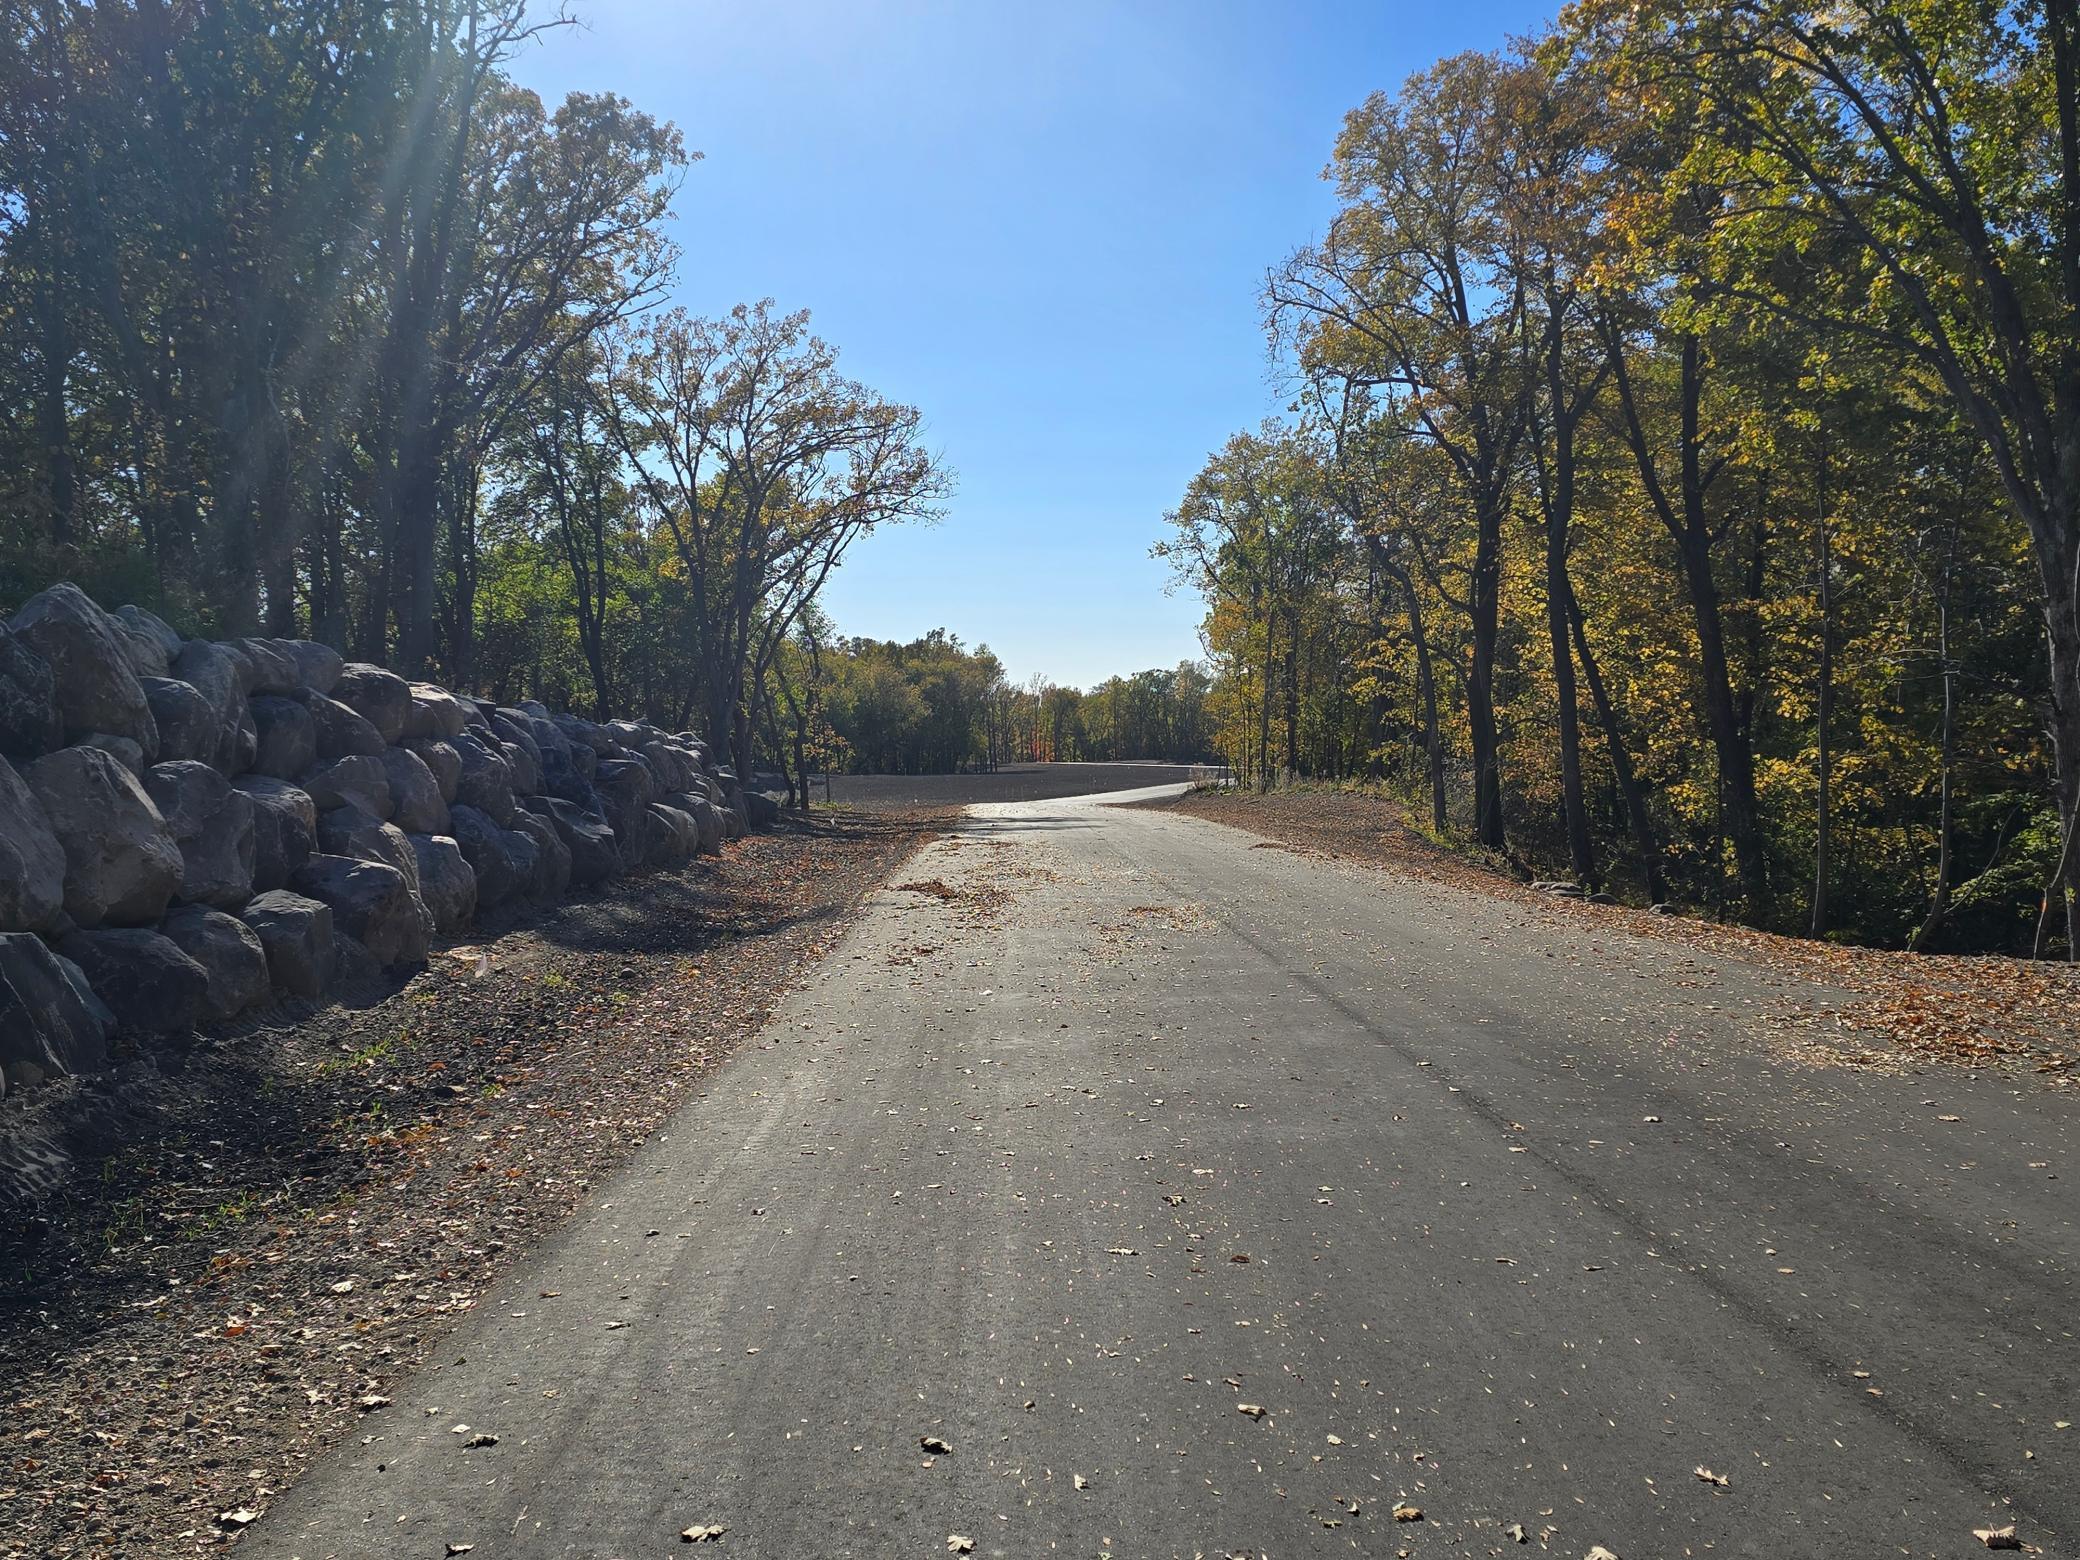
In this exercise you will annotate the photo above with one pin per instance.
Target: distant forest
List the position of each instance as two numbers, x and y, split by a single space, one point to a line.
1680 486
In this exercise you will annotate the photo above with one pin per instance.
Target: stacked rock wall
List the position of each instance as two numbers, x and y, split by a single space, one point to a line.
188 827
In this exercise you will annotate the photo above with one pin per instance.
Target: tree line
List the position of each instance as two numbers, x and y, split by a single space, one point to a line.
1680 486
314 322
933 706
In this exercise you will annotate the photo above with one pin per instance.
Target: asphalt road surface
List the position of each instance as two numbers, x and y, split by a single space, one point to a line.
1206 1199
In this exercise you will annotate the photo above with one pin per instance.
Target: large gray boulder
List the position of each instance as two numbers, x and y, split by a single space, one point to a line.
487 779
285 828
154 990
709 817
595 856
148 639
32 863
504 860
677 840
339 731
121 749
552 858
517 727
317 666
188 726
286 739
380 697
220 677
417 806
91 680
526 770
349 831
371 903
121 863
51 1023
626 791
230 954
435 713
441 760
672 765
213 825
29 724
297 935
447 882
760 810
358 781
270 665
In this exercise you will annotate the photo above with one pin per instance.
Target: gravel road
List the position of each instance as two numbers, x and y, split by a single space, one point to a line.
1123 1186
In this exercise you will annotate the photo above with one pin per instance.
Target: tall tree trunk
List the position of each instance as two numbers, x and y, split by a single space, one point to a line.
1638 820
1824 707
1939 900
1480 688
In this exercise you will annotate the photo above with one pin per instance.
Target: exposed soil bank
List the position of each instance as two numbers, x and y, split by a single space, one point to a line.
301 1212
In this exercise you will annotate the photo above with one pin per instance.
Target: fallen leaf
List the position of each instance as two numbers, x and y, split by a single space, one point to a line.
702 1534
460 1549
1516 1531
245 1516
479 1440
1081 1482
371 1402
1998 1538
1598 1552
1710 1477
1121 1251
1253 1410
935 1445
1408 1513
959 1544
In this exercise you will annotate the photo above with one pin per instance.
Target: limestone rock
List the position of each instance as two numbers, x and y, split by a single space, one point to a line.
525 769
32 863
435 713
317 666
148 639
595 856
91 681
121 863
188 725
154 990
213 826
340 732
552 858
371 903
447 882
439 757
29 724
51 1023
285 737
359 780
416 803
504 860
487 779
350 831
380 697
285 828
220 677
230 954
297 935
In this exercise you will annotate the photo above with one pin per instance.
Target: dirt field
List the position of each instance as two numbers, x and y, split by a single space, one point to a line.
1012 783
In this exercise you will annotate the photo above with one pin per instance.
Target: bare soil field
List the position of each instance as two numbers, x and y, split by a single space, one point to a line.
1012 783
299 1213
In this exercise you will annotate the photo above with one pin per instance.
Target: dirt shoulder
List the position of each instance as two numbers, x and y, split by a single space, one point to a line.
301 1213
1976 1011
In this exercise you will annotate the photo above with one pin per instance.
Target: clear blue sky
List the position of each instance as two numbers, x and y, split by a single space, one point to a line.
1044 225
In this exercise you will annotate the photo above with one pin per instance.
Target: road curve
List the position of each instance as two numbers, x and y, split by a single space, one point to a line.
1206 1199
